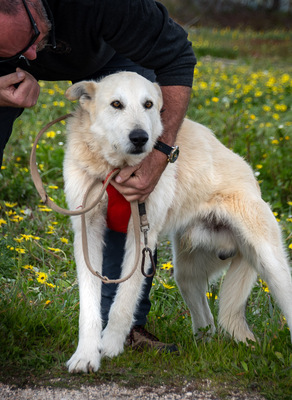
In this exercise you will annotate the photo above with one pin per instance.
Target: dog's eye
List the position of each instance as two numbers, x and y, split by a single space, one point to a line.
148 104
117 104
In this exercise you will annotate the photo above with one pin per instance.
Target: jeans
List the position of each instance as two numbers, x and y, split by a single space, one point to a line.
114 241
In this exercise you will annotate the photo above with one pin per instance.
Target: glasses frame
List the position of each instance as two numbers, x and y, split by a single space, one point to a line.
31 42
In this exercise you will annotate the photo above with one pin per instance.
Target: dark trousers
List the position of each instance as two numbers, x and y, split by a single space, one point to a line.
114 241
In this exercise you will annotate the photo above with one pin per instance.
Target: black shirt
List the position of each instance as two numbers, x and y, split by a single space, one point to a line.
89 32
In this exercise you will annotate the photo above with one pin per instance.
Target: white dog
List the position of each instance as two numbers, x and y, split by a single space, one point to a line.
208 202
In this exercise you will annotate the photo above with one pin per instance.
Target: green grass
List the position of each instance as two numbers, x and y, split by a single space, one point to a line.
246 101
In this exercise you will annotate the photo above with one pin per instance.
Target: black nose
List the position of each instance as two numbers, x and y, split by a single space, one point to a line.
138 137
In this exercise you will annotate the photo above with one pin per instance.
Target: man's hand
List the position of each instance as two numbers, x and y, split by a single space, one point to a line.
136 183
19 89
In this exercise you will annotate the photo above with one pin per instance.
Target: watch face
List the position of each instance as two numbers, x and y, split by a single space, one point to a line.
173 154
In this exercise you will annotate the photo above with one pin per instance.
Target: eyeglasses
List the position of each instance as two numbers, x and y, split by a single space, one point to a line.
32 40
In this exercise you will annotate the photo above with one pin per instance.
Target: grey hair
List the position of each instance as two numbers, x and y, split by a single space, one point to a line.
12 7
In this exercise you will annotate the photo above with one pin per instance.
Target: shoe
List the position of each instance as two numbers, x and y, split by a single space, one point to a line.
140 339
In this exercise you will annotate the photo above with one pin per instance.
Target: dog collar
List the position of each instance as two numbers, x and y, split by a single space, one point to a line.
171 152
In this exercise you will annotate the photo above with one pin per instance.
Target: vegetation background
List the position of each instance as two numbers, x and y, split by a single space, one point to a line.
242 91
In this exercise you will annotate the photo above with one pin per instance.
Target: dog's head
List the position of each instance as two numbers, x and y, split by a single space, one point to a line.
124 114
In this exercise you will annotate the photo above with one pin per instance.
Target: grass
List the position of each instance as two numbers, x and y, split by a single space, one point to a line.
246 100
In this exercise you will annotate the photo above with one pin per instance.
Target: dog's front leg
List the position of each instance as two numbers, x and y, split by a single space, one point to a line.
88 352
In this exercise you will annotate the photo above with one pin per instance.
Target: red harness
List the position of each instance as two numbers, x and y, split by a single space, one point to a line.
118 210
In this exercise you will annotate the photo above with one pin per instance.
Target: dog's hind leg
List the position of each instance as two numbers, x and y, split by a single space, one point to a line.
274 270
234 293
192 270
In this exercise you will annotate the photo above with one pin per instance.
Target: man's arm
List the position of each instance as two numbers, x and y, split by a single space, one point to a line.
19 89
147 174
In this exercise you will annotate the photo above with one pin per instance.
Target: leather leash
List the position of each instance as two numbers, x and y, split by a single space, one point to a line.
138 213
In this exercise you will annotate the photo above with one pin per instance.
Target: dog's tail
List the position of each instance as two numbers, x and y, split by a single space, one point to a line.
235 290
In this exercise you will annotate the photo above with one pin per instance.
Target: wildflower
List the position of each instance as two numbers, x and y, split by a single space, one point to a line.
20 250
210 295
18 240
266 108
280 107
28 267
51 134
10 205
259 166
53 187
64 240
53 249
290 246
215 99
50 285
168 286
41 277
275 141
2 221
276 116
167 265
16 218
44 208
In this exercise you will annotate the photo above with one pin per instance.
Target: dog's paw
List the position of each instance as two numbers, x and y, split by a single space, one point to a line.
112 343
83 361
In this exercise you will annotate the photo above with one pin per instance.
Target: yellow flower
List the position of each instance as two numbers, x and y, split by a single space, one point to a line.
53 187
64 240
276 116
275 141
2 221
20 250
53 249
290 246
266 108
16 218
50 285
167 265
41 277
168 286
210 295
28 267
215 99
51 134
10 205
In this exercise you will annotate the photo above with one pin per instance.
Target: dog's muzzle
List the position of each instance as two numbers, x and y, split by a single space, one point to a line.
138 138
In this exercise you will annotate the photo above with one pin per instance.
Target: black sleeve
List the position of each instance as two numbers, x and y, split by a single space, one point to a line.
142 31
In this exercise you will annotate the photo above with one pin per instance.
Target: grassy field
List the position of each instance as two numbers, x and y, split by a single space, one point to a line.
242 91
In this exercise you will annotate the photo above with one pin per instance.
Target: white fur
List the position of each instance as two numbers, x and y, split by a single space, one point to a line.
208 202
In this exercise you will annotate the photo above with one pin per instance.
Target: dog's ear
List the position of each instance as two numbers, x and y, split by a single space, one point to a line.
84 91
157 87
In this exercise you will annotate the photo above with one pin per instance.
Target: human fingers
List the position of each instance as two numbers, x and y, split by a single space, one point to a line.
18 89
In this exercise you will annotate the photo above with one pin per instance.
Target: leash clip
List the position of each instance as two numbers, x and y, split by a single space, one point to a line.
144 251
144 227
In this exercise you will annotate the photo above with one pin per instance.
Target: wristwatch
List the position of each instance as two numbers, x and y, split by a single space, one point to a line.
171 152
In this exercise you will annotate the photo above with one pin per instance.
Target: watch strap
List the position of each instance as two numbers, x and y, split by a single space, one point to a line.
164 148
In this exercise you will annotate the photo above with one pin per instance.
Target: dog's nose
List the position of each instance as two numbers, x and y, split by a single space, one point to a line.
138 137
